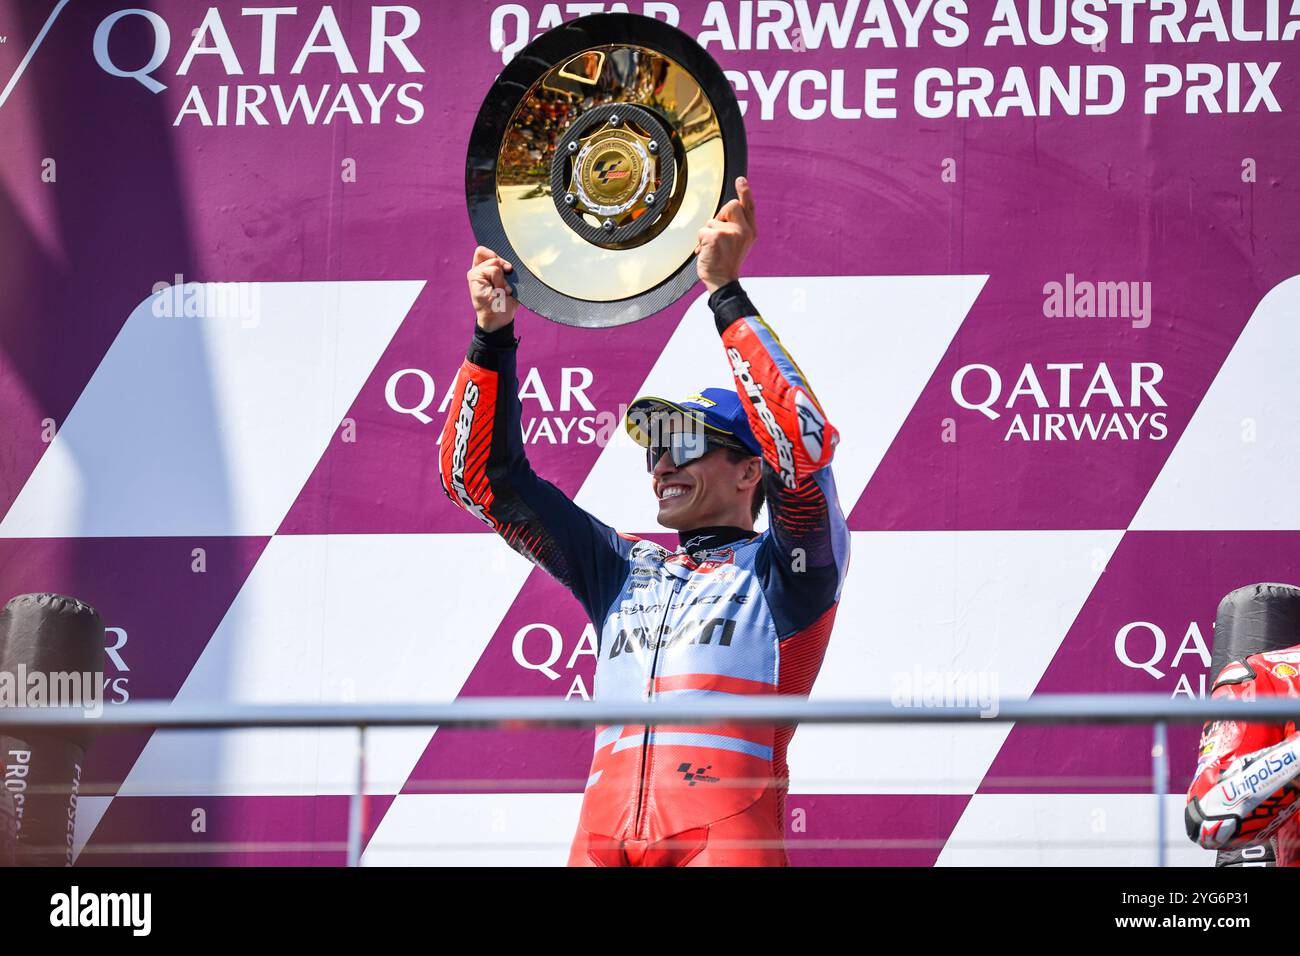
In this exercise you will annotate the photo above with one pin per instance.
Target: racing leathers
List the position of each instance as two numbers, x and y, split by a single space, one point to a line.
730 612
1245 789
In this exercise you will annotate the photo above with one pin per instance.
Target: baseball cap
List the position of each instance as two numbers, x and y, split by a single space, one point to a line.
719 410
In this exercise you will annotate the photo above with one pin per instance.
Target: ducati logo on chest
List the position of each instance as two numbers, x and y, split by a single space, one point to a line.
717 631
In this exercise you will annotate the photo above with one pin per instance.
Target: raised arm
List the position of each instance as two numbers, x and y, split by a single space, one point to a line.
484 470
809 549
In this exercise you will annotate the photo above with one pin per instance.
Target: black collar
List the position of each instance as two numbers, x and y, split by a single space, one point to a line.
707 539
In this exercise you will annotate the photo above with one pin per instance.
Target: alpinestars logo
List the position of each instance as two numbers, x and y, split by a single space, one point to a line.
695 542
811 425
464 422
698 775
784 449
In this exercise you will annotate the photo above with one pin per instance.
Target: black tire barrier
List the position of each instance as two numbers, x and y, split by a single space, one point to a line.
1251 620
8 829
1254 619
49 635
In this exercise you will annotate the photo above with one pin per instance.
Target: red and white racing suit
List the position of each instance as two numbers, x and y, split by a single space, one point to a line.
744 615
1245 788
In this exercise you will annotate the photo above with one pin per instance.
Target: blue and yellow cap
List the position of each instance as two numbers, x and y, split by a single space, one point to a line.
719 410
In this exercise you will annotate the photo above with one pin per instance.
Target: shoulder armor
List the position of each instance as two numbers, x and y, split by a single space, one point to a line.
1236 672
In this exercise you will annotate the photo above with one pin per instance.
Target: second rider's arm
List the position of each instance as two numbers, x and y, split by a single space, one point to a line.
1245 783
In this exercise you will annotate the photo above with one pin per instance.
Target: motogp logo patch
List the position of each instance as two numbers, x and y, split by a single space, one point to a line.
698 775
607 171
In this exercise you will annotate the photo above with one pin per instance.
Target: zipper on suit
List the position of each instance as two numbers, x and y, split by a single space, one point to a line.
638 822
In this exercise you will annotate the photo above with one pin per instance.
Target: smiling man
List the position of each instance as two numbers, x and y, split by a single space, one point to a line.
729 612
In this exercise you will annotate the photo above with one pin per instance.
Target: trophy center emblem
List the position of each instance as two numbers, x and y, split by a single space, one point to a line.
614 174
612 168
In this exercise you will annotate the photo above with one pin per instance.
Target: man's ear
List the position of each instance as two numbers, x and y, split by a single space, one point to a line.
753 472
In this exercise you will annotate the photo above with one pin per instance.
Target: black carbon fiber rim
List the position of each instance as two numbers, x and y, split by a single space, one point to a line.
518 77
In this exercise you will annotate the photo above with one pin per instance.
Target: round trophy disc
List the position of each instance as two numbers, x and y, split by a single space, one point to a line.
598 154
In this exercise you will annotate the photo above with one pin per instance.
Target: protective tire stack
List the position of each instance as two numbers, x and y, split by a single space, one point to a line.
49 635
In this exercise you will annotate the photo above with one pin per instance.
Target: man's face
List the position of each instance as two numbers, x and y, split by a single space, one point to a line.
712 490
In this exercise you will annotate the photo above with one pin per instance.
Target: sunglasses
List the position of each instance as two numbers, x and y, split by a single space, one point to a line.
685 447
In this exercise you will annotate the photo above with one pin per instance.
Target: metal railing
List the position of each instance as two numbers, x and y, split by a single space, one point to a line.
513 713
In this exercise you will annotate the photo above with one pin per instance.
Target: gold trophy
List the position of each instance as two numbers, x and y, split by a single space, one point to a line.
598 154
